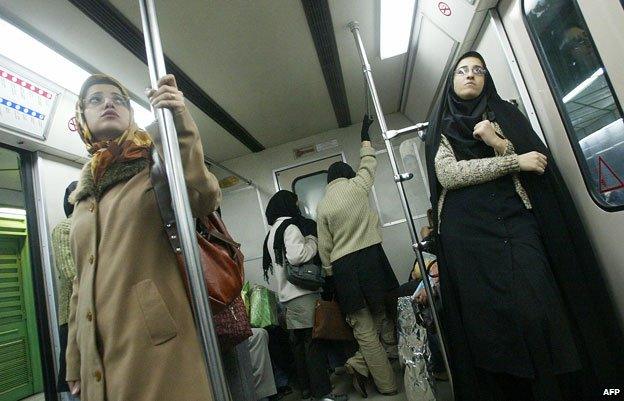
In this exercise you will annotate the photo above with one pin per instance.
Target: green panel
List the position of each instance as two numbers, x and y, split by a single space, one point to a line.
12 224
31 319
16 379
20 362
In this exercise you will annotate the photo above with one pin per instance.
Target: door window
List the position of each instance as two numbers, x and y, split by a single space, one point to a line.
310 189
583 92
308 181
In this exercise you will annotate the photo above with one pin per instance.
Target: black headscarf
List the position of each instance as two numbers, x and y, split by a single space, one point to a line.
283 204
462 115
572 259
339 170
68 207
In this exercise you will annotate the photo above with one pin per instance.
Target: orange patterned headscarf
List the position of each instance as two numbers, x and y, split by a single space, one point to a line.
134 143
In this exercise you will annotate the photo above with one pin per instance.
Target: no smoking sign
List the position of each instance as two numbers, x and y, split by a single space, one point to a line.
445 9
72 124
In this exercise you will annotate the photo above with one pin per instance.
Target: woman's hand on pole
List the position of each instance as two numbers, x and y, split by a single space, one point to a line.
167 95
485 132
533 162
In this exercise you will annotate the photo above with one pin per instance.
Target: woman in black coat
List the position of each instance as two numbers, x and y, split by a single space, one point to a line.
526 315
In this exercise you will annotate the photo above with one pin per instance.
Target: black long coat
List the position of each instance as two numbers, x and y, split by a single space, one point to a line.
571 258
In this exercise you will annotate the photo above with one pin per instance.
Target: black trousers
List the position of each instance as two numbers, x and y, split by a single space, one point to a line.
61 385
311 362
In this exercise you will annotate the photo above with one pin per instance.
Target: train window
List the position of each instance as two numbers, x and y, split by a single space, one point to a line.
310 189
584 95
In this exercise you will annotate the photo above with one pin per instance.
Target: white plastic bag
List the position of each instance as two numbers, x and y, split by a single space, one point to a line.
414 354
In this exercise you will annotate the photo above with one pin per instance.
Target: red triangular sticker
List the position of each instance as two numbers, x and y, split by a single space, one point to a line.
609 181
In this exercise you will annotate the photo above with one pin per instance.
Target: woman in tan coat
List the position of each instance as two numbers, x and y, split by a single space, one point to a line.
131 330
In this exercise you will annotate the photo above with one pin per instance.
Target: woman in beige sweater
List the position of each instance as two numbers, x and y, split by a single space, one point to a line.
350 248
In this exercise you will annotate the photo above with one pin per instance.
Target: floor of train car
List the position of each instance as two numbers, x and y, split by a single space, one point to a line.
343 384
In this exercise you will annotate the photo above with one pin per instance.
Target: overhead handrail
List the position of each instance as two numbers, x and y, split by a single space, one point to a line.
211 162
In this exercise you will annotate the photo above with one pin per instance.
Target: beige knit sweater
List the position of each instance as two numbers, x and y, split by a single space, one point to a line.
64 268
345 220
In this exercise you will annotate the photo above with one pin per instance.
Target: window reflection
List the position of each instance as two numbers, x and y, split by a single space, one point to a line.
581 84
310 190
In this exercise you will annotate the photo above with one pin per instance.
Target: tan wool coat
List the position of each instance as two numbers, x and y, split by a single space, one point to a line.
131 330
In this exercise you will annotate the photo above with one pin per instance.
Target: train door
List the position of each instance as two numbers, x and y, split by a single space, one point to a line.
20 361
308 181
569 57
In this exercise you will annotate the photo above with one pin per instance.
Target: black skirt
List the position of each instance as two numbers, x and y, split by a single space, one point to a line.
362 279
509 304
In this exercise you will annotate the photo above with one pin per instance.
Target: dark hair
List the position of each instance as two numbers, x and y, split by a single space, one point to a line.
470 54
430 217
339 170
68 207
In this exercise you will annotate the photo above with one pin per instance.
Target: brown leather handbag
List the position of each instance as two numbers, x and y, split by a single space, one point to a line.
329 323
221 258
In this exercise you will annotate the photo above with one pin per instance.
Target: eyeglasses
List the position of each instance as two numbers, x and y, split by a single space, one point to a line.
476 70
98 100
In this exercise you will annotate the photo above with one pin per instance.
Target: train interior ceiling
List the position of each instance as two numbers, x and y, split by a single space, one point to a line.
277 91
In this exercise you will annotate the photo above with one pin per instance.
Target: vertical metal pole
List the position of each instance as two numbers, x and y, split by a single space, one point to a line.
398 178
182 209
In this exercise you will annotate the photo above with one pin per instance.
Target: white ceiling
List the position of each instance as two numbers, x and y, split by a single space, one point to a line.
258 61
388 74
254 58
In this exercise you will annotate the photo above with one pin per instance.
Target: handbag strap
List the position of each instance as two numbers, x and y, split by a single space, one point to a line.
216 229
158 176
214 225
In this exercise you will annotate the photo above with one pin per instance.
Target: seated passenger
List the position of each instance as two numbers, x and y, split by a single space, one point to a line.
511 242
350 249
261 367
408 288
294 237
432 271
131 329
420 296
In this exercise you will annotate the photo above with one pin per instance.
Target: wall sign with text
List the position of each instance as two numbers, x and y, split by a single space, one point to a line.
25 105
